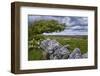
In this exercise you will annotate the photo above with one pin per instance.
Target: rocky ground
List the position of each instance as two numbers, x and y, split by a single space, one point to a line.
54 50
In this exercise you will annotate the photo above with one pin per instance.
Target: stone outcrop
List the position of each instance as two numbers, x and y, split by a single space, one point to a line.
54 50
85 55
76 54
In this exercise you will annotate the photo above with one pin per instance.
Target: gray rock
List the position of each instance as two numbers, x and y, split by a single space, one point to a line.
85 55
76 54
62 52
49 45
53 57
55 49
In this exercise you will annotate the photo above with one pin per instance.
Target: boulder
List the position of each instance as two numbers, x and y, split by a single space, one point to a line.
85 55
62 52
54 49
76 54
49 45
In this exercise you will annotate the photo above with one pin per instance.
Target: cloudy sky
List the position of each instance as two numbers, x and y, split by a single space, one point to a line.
74 25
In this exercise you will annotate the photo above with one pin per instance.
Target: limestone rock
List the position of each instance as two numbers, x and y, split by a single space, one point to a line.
76 54
85 55
54 49
49 45
62 52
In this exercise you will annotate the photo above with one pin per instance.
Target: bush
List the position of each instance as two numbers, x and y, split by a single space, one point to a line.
38 27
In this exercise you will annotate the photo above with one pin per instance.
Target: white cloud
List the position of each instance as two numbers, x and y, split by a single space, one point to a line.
83 20
67 21
76 27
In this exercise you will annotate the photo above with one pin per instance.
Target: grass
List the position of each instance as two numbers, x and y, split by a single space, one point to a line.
74 42
35 54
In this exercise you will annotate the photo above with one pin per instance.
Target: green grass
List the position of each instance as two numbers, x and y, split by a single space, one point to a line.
35 54
74 42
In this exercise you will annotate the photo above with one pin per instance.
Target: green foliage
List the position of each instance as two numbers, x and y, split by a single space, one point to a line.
35 42
45 26
35 54
74 42
38 27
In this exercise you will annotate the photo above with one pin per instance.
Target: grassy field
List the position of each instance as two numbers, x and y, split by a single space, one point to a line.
74 42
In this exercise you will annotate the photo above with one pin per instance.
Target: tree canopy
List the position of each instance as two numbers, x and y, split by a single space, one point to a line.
45 26
36 29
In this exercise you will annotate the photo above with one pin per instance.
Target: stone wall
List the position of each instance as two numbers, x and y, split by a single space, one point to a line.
54 50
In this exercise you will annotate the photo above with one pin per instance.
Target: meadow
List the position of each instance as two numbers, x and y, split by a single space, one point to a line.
74 42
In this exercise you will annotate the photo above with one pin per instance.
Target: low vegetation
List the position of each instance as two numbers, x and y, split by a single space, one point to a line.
74 42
